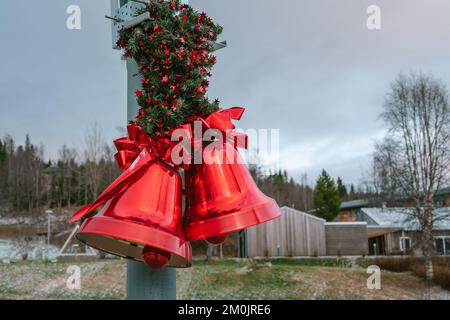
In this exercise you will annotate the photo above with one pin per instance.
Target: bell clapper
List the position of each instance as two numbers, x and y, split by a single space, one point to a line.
217 239
155 258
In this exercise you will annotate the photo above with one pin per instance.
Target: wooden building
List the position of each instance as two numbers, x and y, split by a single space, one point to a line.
346 238
295 233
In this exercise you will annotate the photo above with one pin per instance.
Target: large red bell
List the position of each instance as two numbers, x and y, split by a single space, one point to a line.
144 221
223 198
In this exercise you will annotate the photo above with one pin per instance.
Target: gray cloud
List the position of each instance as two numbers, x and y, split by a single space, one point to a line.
309 68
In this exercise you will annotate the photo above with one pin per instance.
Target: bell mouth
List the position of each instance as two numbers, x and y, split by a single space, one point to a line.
232 222
128 240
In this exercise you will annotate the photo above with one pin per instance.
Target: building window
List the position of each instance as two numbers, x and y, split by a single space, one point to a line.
123 2
405 243
442 244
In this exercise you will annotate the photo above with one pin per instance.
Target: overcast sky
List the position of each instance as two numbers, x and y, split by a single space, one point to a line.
310 68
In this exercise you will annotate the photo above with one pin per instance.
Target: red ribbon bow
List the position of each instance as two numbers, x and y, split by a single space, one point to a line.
130 147
137 150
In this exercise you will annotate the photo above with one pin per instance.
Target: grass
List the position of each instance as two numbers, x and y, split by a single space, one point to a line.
234 279
241 281
34 280
322 262
293 279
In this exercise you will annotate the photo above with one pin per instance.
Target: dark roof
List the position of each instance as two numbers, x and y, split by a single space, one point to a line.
443 192
354 204
50 170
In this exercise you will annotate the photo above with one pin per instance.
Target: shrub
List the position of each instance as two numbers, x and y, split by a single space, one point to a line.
442 276
441 267
394 264
441 271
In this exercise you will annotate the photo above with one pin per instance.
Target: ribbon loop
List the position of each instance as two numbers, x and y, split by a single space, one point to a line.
222 119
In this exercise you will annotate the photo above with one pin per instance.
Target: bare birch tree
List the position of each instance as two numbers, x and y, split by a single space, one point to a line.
413 160
94 144
68 165
384 182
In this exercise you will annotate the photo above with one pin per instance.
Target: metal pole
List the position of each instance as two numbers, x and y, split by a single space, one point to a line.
146 284
48 212
142 282
48 228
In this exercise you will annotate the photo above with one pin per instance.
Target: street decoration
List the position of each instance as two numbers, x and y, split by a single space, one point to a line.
141 215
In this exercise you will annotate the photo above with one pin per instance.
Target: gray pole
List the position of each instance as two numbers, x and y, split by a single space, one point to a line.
48 227
49 213
144 283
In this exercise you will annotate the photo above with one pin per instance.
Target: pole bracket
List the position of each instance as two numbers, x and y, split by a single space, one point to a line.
124 17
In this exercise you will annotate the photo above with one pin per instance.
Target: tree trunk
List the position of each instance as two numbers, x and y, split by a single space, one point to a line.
221 252
209 252
427 248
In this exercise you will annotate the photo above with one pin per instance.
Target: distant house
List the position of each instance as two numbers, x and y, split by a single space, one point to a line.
373 231
391 231
349 209
442 198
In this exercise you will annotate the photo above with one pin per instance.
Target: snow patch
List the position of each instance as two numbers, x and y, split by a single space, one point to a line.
11 250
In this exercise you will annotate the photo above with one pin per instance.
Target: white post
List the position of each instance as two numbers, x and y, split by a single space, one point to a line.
49 213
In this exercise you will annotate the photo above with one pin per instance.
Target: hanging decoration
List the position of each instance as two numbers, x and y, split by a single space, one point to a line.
141 216
174 52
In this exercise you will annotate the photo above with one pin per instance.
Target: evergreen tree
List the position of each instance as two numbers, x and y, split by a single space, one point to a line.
352 192
3 153
326 197
342 190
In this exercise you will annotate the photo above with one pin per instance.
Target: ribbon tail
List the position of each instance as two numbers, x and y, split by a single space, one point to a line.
81 213
106 195
236 112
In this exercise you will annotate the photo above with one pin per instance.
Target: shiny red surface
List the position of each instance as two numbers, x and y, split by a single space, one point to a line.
152 198
155 258
218 239
223 198
148 211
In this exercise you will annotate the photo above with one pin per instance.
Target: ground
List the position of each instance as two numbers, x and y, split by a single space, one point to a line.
228 279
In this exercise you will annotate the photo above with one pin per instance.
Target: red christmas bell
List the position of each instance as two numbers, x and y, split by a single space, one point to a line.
143 222
223 198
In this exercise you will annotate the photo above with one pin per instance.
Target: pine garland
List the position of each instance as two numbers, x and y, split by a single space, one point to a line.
174 53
